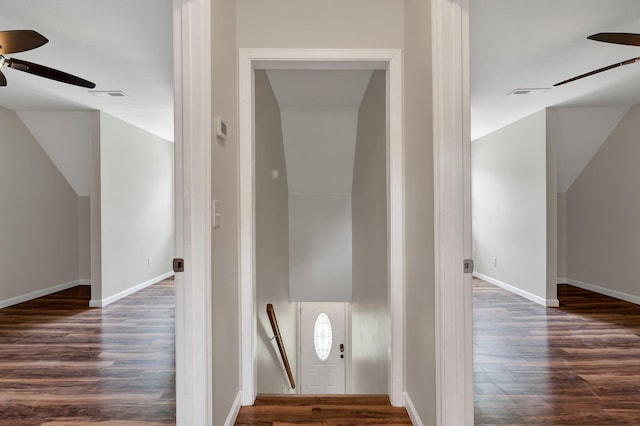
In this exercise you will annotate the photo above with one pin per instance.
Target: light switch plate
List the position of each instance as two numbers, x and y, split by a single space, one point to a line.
216 213
221 129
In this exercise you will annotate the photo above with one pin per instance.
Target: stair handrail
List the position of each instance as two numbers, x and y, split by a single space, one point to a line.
271 313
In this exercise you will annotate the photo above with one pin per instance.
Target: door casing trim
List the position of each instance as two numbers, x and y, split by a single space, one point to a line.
386 59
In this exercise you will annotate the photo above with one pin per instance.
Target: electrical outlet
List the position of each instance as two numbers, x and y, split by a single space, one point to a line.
149 262
494 262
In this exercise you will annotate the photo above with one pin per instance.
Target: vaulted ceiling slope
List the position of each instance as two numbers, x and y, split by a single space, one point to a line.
319 112
578 133
535 44
118 44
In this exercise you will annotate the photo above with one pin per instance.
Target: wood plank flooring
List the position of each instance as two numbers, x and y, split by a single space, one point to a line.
574 365
63 363
318 410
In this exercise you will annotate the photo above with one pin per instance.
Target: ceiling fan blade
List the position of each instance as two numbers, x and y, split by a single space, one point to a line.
629 39
3 79
53 74
20 41
599 70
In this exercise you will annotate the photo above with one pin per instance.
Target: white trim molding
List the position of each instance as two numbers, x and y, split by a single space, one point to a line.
451 156
411 410
606 291
385 59
84 281
549 303
124 293
192 113
233 412
38 293
562 280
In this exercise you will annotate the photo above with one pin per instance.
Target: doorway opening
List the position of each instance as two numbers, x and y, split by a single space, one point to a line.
253 175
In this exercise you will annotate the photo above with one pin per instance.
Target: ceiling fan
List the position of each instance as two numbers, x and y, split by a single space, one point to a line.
616 38
22 40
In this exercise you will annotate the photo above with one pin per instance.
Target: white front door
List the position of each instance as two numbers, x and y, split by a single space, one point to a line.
323 350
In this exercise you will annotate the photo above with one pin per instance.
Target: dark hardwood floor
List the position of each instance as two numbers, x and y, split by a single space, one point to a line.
319 410
574 365
63 363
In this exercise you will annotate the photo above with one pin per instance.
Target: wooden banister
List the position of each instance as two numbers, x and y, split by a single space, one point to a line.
271 313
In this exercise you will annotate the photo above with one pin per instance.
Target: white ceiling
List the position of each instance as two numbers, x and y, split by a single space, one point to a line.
314 90
118 44
319 112
536 43
127 45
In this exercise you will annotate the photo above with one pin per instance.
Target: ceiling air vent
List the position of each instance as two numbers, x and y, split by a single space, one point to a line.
108 93
535 91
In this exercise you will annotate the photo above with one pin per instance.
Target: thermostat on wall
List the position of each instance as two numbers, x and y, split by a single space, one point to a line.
221 129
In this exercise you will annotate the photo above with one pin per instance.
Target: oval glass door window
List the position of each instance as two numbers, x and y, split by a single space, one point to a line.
322 337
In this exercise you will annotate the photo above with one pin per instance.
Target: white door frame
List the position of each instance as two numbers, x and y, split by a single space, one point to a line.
452 172
192 111
387 59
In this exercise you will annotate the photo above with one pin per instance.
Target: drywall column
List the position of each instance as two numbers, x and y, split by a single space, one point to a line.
420 350
137 222
512 230
95 207
562 237
224 187
370 312
272 241
84 240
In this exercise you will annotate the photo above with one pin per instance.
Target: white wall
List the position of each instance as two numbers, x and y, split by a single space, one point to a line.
562 238
579 133
320 248
224 187
509 203
137 222
38 218
84 239
319 148
327 23
603 236
272 242
67 137
95 211
370 313
420 346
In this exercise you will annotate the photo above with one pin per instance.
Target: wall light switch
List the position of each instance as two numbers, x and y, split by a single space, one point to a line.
216 212
221 129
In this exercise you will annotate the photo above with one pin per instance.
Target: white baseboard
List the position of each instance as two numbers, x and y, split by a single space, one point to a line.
38 293
550 303
562 280
411 409
101 303
84 281
606 291
235 409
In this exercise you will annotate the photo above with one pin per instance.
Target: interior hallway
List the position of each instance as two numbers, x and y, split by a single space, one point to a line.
578 364
63 363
